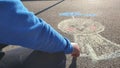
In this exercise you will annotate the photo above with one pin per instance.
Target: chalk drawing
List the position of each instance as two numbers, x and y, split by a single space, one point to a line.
69 14
92 44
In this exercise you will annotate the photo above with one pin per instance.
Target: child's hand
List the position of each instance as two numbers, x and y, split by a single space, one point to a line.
76 50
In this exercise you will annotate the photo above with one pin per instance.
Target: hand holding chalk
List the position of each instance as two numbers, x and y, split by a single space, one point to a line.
76 50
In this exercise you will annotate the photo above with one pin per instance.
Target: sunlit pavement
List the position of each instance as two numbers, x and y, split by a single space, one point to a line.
106 12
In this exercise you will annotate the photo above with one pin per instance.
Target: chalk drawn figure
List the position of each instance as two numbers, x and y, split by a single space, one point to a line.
86 34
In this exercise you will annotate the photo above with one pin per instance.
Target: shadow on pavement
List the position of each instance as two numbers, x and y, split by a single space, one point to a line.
73 64
27 58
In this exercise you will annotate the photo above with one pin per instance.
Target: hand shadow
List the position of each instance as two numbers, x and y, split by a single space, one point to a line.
73 64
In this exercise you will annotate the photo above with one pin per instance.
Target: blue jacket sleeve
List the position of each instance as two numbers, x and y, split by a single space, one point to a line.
18 26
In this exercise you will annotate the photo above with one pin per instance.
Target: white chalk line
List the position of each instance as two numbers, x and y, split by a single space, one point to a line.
92 54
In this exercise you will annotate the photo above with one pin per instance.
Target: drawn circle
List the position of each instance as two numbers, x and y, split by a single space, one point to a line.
80 26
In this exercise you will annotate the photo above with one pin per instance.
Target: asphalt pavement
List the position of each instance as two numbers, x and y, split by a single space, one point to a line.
102 48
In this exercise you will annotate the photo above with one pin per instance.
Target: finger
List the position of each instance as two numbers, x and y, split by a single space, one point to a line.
75 55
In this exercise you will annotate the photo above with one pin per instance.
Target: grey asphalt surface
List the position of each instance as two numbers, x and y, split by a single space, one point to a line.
107 13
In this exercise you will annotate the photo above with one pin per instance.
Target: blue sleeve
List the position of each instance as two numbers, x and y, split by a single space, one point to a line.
18 26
